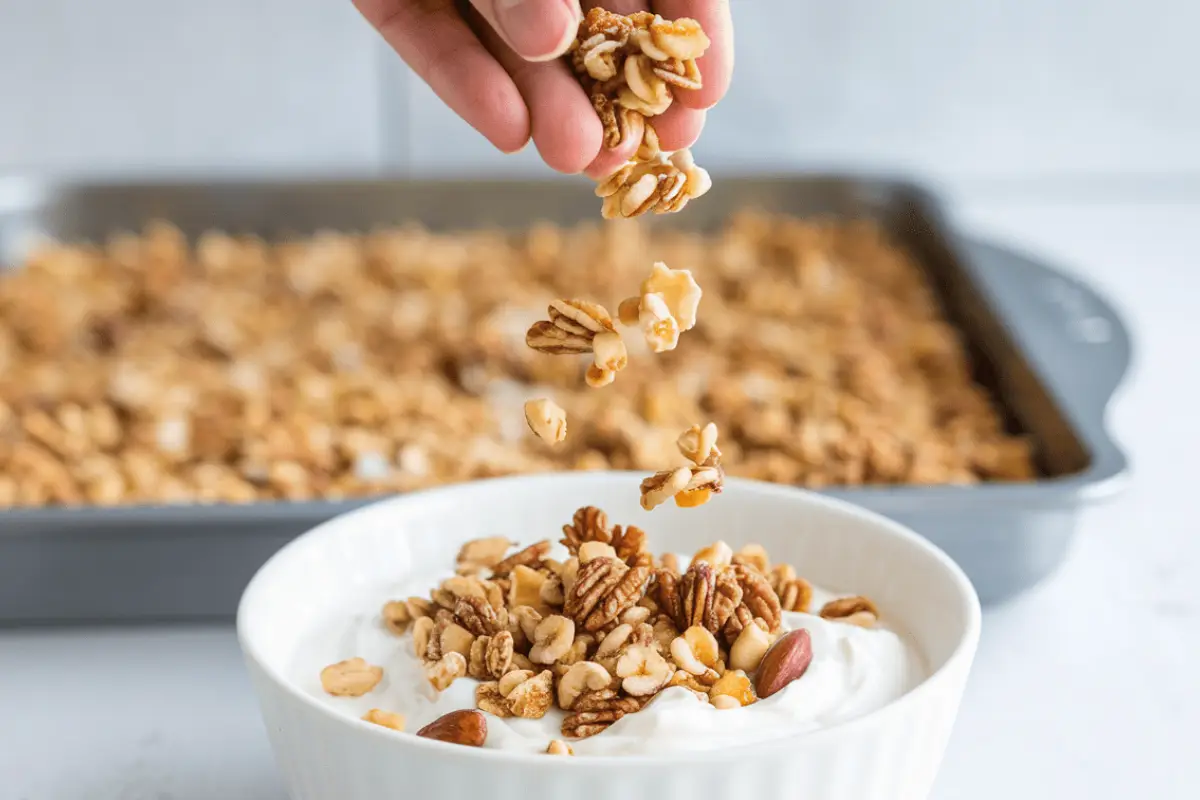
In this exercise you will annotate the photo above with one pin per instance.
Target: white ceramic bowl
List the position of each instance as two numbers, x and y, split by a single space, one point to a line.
891 754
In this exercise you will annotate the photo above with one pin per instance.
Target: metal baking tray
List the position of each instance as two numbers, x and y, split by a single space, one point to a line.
1050 348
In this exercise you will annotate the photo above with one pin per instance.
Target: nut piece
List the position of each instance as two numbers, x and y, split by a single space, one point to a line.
754 555
643 671
785 662
457 639
526 589
552 639
512 680
466 727
662 486
450 668
589 524
581 677
589 551
758 597
532 698
749 648
353 677
485 552
854 610
388 719
488 698
716 555
559 748
529 557
723 702
595 711
735 684
546 419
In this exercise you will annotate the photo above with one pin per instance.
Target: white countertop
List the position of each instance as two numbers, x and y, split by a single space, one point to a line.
1085 687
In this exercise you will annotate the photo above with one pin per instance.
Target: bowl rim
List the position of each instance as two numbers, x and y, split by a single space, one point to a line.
958 660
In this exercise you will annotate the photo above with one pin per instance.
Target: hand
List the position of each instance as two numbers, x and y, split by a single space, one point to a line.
495 63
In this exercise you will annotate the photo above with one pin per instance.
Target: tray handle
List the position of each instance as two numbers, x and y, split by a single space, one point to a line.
1073 336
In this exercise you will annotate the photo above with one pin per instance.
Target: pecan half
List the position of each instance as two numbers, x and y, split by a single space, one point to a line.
594 711
589 524
605 588
758 596
477 616
529 557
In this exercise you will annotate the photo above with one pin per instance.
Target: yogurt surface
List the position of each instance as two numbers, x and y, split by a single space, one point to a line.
854 671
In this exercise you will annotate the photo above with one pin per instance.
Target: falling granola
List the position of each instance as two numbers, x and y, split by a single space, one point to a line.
693 485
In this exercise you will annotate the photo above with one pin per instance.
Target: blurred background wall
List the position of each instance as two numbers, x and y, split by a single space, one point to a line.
1075 96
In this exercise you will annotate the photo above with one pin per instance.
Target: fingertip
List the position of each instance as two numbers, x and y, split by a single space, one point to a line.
567 143
610 160
680 127
502 116
537 30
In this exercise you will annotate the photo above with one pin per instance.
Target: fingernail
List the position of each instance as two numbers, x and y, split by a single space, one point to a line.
538 30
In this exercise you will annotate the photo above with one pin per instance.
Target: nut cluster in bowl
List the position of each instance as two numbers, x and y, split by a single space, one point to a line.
600 634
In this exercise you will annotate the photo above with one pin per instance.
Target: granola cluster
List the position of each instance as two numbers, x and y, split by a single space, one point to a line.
148 370
600 634
630 66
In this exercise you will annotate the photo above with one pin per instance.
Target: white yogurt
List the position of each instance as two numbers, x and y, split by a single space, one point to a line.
854 671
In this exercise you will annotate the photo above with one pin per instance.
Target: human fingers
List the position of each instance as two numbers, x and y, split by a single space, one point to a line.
565 128
610 159
433 38
716 65
536 30
679 127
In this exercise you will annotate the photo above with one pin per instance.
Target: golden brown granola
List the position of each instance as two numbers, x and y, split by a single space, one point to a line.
340 366
631 66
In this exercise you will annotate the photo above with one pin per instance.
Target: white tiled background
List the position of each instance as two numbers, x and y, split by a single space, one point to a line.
1043 92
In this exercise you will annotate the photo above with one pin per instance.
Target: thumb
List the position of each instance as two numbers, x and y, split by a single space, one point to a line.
536 30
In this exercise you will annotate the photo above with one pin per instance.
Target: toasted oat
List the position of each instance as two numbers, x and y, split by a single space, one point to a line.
579 678
643 671
353 677
552 638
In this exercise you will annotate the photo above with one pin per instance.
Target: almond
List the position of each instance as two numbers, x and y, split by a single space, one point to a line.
467 727
784 663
